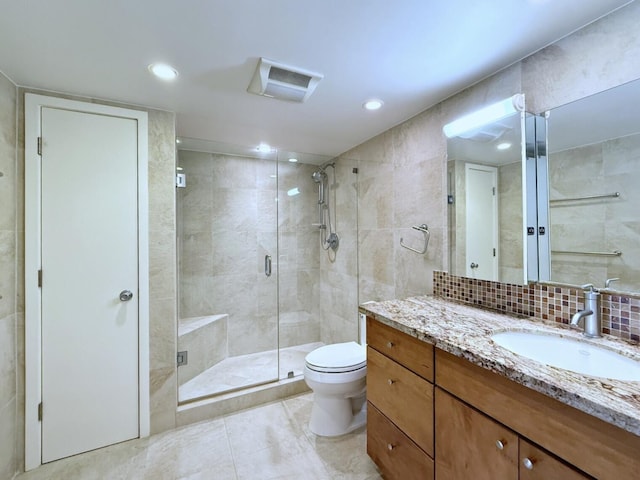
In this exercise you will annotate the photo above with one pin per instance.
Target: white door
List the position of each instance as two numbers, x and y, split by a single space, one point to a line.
481 221
89 256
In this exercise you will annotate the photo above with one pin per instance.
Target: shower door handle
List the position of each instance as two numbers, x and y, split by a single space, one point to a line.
267 265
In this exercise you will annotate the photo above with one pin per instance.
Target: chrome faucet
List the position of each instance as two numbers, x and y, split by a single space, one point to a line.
591 315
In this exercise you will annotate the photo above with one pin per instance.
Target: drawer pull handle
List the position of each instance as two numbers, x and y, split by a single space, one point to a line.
528 463
390 446
500 444
391 382
390 344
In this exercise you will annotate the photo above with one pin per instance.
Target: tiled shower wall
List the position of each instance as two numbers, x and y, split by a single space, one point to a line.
228 220
620 313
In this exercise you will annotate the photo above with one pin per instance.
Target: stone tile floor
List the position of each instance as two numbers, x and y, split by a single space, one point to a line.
272 441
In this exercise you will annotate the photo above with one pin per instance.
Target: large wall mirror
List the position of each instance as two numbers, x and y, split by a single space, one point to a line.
594 190
486 192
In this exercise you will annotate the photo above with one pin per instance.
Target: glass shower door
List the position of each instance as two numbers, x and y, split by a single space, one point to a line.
228 291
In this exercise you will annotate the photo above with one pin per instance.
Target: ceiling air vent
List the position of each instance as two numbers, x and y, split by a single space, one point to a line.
283 82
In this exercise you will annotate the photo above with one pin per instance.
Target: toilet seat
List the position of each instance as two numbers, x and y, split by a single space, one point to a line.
337 358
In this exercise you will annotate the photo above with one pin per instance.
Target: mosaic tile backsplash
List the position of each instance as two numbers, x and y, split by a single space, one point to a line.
620 313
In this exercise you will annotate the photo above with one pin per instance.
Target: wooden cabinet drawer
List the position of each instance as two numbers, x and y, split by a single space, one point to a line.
405 398
414 354
394 453
544 466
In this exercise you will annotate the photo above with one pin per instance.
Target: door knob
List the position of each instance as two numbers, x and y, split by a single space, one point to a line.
474 265
126 295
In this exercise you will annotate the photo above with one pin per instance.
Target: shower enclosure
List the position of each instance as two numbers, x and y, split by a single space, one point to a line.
250 267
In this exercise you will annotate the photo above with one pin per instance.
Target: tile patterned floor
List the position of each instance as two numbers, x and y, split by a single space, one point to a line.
244 370
264 443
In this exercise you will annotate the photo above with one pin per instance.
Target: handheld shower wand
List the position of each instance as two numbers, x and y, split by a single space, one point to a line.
320 177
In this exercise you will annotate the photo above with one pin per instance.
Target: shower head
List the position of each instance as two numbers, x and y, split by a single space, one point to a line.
318 176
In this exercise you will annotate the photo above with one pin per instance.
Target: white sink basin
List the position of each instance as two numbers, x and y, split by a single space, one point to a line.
561 352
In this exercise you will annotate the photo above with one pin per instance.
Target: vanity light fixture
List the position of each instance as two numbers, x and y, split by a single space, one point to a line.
163 71
485 115
373 104
503 146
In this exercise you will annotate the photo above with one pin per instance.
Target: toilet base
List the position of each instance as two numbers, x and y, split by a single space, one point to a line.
333 416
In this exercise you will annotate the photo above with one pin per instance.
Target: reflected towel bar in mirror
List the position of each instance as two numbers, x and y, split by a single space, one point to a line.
615 253
425 231
588 197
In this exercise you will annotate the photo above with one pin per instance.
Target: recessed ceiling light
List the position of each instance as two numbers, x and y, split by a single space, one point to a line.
293 160
178 141
373 104
503 146
163 71
264 148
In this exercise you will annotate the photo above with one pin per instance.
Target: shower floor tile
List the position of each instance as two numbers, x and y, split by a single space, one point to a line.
245 370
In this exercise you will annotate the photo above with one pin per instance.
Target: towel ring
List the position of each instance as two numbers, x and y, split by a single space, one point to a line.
425 231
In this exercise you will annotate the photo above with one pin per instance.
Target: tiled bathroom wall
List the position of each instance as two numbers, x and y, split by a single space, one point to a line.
620 312
10 317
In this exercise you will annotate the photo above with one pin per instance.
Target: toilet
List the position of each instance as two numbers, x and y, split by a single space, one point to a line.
337 375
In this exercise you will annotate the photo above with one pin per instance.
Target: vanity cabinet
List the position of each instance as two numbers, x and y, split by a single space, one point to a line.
432 414
562 442
400 373
472 446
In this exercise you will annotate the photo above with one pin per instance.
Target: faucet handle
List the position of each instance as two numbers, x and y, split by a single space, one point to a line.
589 287
609 281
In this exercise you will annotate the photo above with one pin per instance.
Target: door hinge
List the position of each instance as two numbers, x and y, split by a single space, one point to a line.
40 278
494 191
39 145
182 358
40 412
494 252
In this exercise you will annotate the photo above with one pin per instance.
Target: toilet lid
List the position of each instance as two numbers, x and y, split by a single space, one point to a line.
338 357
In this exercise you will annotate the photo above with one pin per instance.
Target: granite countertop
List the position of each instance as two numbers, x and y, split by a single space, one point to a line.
465 331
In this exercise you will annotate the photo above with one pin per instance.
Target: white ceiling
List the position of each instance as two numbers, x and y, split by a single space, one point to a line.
409 53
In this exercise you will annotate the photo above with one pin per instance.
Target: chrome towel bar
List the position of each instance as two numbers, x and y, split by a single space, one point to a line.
425 231
615 253
588 197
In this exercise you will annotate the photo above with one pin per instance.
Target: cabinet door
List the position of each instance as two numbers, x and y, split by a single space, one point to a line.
542 466
469 445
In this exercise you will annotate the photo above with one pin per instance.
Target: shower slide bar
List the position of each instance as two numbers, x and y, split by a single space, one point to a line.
587 197
425 231
615 253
